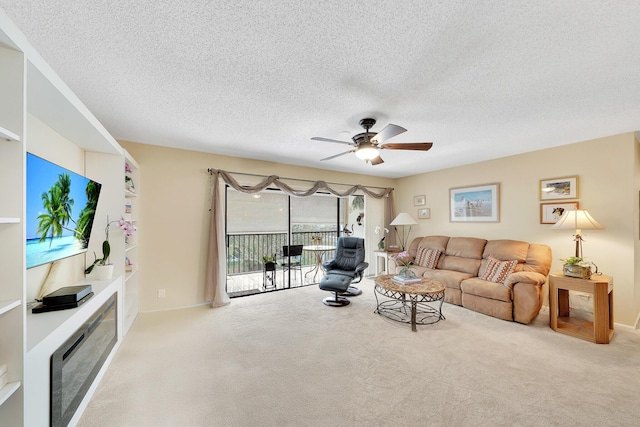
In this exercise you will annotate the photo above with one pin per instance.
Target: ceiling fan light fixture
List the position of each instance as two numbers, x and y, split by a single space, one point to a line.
367 151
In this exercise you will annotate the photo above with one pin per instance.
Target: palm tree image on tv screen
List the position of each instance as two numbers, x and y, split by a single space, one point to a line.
61 207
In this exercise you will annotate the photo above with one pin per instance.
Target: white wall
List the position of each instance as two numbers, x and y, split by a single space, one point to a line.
607 171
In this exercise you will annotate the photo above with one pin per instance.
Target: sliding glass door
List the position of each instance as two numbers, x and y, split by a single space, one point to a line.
259 226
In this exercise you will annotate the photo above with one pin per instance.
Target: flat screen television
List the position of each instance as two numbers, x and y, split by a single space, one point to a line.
61 206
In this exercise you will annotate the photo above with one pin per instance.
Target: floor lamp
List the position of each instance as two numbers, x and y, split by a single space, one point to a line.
403 219
578 220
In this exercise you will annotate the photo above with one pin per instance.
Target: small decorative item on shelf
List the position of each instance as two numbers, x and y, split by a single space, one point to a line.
127 167
576 267
128 184
128 267
378 232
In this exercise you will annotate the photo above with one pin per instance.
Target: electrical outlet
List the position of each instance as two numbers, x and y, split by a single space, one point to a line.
161 293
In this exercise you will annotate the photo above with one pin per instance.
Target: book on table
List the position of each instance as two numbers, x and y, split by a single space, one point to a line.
406 280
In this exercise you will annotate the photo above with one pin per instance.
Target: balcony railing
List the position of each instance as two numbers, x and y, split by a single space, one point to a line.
245 251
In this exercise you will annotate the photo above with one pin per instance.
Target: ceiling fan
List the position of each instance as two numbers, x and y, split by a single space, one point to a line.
367 145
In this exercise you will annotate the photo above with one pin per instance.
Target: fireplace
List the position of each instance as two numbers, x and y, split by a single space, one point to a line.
75 364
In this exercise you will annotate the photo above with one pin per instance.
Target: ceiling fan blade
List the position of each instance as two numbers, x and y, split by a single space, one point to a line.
337 155
376 161
389 131
421 146
319 138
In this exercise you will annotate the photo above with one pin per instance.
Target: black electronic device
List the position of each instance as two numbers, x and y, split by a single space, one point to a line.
64 298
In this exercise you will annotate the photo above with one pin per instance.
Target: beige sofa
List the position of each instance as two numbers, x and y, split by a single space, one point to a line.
473 277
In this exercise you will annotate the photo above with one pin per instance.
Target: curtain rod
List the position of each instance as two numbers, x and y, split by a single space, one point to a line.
210 170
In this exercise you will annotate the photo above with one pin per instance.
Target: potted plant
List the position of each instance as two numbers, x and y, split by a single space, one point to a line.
378 230
103 268
576 267
406 260
269 262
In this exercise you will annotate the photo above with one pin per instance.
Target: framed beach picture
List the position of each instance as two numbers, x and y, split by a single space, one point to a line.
550 213
419 200
559 188
424 213
474 204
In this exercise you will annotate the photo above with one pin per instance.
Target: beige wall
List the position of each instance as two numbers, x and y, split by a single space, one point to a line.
175 204
174 218
607 169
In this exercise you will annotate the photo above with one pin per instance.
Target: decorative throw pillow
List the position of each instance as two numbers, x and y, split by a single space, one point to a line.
497 271
427 257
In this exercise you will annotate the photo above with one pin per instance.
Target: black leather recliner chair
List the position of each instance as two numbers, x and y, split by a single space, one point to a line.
346 268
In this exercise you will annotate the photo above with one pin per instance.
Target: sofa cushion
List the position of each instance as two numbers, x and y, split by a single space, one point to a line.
426 257
450 279
456 263
538 259
506 250
486 289
463 254
497 271
431 242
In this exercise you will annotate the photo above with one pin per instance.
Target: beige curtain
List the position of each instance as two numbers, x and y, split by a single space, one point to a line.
216 274
216 266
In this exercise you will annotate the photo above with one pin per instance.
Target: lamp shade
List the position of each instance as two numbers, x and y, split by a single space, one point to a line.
578 219
403 218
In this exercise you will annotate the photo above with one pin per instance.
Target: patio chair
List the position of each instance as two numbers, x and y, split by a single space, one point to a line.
345 269
291 260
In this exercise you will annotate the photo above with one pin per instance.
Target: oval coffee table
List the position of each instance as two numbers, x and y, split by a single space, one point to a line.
417 303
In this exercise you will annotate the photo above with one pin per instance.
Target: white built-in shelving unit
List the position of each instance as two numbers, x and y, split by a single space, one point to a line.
29 88
131 251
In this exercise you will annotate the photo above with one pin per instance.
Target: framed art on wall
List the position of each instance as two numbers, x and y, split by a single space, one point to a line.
559 188
419 200
474 204
424 213
550 213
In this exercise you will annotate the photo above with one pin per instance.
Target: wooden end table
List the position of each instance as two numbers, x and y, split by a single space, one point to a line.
600 330
417 303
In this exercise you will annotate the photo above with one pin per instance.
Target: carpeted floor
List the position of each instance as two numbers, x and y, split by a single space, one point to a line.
285 359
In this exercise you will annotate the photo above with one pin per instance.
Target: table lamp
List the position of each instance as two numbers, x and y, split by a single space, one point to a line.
578 220
403 219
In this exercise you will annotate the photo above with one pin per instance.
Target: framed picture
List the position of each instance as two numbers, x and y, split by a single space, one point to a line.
559 188
474 204
550 213
424 213
419 200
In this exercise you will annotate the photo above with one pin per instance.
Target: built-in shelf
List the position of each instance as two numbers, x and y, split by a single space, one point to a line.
9 220
128 193
44 326
8 305
8 135
128 248
8 390
129 274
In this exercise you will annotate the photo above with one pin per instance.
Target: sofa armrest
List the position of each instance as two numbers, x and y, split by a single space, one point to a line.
525 277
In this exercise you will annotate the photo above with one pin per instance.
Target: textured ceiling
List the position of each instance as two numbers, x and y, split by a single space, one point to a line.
258 79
